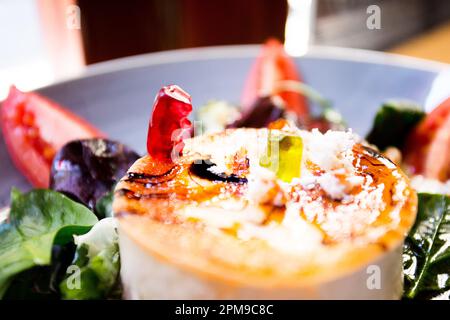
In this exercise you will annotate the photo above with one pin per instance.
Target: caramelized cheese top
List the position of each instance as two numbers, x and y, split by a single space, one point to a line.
346 192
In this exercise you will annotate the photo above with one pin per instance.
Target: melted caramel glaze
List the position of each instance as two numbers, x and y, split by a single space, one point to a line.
367 163
157 190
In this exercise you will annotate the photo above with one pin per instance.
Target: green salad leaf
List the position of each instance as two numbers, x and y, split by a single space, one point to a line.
42 282
393 122
103 207
426 254
37 221
94 273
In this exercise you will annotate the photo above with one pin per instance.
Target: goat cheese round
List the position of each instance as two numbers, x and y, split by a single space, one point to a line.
260 213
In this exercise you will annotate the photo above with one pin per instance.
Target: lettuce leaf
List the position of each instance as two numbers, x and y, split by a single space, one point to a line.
42 282
393 123
426 254
37 221
103 207
98 264
87 170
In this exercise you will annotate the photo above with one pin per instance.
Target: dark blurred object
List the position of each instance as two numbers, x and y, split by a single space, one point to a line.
87 170
343 22
264 111
113 29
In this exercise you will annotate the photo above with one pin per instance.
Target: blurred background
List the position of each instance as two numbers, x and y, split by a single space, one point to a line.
43 41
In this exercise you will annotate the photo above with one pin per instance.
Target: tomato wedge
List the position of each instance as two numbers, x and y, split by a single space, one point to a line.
272 66
427 150
34 129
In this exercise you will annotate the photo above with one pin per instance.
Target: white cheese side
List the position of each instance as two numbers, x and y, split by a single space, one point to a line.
144 276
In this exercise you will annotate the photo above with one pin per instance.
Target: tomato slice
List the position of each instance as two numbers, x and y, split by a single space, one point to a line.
272 66
34 129
427 150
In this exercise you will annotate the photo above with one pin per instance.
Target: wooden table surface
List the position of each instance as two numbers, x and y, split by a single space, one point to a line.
433 45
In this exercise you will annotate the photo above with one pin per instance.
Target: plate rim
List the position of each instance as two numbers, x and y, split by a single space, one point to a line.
247 51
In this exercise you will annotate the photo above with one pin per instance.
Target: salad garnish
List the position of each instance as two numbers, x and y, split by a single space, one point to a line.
97 257
272 66
422 141
35 128
393 123
38 221
426 254
87 170
427 150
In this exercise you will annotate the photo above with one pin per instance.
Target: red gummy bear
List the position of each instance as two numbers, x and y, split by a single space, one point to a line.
169 123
